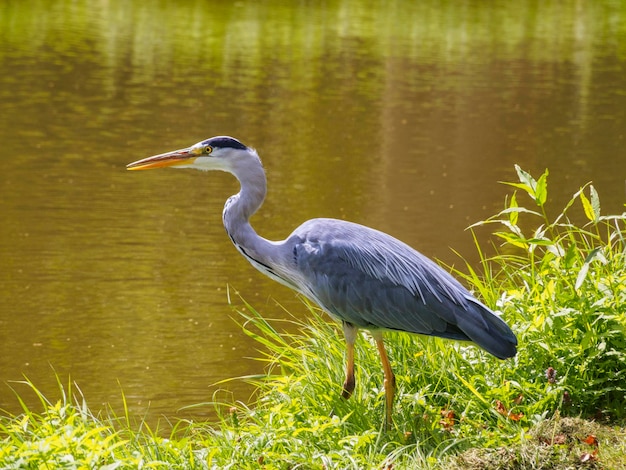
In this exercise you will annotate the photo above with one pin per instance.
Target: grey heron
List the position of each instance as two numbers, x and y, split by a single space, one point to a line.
362 277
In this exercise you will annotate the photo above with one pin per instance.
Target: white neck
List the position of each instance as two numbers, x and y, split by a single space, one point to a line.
267 256
240 207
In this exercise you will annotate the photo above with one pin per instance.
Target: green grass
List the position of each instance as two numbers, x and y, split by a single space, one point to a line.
559 404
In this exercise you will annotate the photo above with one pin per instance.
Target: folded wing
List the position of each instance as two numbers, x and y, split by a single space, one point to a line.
372 280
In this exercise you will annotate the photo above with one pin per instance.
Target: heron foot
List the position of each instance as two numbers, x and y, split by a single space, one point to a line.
350 332
348 387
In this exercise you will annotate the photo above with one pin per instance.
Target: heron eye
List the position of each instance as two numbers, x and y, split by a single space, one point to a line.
208 149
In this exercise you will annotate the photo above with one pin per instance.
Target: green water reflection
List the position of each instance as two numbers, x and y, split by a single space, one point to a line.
400 115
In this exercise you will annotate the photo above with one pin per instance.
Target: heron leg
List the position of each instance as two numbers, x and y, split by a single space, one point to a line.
350 332
390 378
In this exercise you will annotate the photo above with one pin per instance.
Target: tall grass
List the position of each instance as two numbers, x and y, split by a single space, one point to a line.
66 434
560 285
564 287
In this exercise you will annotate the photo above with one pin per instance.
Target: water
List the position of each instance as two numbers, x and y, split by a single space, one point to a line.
397 115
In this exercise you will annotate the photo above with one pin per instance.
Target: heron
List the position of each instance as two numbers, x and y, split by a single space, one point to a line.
362 277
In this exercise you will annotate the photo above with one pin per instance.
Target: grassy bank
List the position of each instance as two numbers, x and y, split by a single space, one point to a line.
558 404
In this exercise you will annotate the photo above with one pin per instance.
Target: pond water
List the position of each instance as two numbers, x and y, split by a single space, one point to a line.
399 115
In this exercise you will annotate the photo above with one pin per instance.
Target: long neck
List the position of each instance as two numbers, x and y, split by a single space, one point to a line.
266 256
240 207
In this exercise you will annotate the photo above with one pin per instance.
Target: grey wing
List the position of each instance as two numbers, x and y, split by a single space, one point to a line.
373 280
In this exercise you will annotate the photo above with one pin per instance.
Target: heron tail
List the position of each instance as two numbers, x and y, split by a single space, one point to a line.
488 331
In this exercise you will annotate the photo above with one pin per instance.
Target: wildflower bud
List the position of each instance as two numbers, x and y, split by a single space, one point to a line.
551 375
567 400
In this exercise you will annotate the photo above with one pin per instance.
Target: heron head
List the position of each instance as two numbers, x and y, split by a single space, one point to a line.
216 153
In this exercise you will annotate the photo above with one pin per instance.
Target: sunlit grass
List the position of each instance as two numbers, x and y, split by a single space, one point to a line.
560 285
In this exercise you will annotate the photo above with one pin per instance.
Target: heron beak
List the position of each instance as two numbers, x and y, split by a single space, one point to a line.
175 158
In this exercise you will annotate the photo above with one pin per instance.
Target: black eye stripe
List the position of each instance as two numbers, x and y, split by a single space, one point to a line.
224 142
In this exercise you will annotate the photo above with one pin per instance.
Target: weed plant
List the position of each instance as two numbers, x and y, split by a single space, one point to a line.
561 286
564 288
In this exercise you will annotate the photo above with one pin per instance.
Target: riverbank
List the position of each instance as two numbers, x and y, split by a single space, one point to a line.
558 404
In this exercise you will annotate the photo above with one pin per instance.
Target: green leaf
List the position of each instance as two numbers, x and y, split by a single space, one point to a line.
513 215
525 178
523 186
570 256
537 189
556 249
595 202
541 191
539 241
582 274
518 210
512 239
595 254
587 339
588 208
513 228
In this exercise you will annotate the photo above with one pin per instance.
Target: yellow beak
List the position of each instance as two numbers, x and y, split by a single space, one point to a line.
177 157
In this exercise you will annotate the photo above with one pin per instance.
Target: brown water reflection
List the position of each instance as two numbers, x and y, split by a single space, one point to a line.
400 115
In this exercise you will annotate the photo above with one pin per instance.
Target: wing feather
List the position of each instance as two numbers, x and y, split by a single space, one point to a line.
372 280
